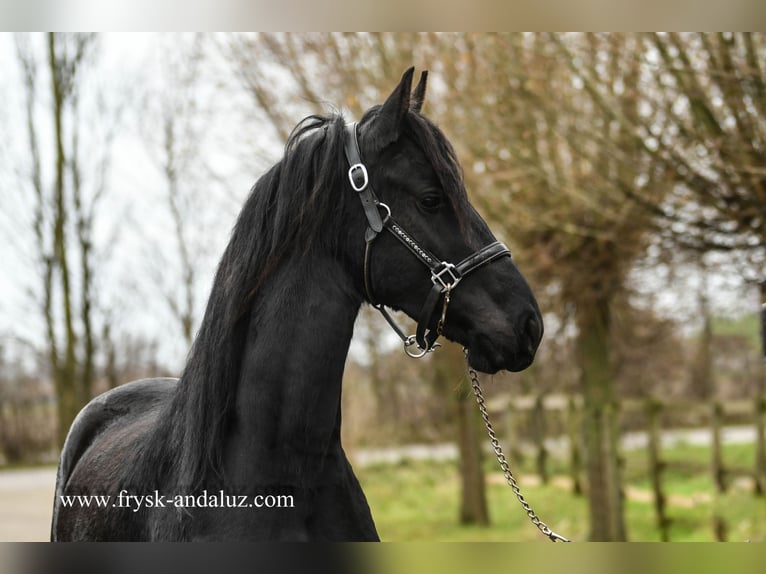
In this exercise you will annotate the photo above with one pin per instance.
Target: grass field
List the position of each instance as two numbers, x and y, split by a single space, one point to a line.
418 501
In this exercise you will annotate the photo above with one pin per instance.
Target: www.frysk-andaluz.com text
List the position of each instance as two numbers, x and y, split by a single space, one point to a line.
156 500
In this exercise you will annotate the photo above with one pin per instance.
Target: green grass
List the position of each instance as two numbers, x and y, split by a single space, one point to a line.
748 326
418 501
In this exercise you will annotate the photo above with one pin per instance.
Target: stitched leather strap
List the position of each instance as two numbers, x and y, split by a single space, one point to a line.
485 255
425 256
360 182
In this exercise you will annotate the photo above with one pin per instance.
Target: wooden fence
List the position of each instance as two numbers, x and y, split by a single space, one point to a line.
543 425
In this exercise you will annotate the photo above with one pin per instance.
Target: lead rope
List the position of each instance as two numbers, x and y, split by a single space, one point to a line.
509 478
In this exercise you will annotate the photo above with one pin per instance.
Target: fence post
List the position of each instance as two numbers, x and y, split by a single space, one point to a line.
720 528
538 436
512 436
718 470
575 452
759 474
657 466
763 320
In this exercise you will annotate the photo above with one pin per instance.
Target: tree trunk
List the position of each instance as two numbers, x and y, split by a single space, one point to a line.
702 383
65 377
473 497
763 320
605 501
84 225
45 243
449 369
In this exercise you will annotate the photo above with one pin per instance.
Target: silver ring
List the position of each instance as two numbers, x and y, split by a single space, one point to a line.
388 211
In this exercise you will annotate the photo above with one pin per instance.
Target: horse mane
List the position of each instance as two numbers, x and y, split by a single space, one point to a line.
284 214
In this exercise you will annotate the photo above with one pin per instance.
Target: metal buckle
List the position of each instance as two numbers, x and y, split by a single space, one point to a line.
453 274
351 170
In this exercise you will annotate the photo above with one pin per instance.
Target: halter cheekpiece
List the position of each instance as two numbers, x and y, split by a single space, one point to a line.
445 276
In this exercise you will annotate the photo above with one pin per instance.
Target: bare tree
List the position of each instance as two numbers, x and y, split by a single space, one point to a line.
701 122
699 127
64 212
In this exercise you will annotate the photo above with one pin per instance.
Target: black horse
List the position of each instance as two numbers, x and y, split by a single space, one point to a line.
246 444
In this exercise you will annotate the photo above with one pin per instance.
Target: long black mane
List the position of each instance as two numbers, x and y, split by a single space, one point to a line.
285 213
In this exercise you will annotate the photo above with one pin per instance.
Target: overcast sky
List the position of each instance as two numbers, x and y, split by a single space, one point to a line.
134 234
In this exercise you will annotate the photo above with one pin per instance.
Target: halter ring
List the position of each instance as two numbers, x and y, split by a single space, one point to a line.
410 341
388 211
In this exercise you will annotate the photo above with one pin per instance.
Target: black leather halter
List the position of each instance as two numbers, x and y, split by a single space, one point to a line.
444 276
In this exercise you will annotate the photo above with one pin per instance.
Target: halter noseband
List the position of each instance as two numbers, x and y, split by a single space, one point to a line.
444 276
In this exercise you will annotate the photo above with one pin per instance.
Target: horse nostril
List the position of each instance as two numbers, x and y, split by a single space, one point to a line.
534 330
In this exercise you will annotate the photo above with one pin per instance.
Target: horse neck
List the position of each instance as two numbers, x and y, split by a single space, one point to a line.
287 413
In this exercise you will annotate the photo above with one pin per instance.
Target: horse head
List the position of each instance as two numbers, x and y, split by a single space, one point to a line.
436 240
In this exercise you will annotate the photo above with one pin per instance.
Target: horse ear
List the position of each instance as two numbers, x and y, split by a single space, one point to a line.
419 95
385 127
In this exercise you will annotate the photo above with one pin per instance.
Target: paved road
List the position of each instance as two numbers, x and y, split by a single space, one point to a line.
26 500
26 496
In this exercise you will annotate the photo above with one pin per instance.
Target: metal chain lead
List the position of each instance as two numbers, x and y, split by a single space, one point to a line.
509 478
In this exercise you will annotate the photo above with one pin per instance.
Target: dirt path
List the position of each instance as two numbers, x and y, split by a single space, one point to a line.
26 499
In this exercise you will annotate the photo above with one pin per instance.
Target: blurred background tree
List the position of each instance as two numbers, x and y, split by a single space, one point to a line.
64 212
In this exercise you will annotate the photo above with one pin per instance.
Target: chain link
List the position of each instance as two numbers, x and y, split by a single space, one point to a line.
509 478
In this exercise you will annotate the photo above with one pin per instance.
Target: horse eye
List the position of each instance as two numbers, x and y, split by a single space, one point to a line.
431 201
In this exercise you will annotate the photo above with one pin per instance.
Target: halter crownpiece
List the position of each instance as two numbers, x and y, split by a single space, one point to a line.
445 276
